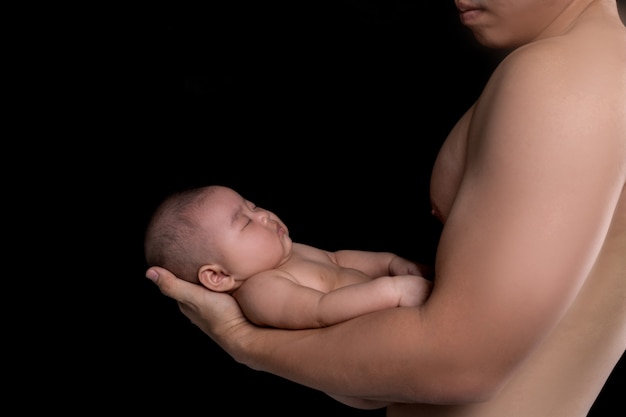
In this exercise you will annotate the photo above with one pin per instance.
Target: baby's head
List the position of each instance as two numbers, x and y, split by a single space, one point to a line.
213 236
175 237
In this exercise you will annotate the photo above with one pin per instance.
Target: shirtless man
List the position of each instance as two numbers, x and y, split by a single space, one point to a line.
527 316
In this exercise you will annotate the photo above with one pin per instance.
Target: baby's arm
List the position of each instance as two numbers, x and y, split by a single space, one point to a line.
377 264
272 299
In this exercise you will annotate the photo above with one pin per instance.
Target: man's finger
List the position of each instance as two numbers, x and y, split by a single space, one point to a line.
178 289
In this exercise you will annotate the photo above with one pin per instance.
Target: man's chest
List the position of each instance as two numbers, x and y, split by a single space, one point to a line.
448 168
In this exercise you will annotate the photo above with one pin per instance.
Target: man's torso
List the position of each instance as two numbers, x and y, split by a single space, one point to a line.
565 374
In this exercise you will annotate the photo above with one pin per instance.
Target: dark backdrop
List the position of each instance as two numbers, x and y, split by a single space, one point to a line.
328 113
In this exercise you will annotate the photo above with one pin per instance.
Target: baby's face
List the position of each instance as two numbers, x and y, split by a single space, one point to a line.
248 238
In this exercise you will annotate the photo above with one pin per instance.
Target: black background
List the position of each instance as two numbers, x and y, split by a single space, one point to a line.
328 113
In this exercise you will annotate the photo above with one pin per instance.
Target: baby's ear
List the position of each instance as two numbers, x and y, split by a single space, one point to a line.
215 279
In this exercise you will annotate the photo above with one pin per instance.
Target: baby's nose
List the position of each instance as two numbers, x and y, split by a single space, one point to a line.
264 215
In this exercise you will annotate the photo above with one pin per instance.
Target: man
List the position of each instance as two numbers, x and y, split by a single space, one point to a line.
528 312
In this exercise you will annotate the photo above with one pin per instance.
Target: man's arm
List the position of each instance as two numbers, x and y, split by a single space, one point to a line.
359 403
544 171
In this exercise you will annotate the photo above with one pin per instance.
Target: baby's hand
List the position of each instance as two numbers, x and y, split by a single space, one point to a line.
401 266
413 289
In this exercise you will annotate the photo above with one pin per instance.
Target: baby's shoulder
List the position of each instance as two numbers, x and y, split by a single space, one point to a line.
311 253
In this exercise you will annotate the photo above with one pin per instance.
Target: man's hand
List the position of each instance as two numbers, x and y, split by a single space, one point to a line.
216 314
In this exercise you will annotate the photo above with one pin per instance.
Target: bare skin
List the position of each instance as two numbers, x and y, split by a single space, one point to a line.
315 288
527 315
229 244
564 376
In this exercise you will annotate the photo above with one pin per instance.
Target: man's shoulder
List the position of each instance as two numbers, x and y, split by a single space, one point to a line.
549 56
550 86
556 69
567 59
